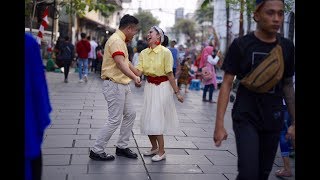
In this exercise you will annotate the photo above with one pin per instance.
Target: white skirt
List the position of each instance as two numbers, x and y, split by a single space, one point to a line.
159 114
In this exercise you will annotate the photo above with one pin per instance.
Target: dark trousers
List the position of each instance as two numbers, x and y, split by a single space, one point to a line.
36 165
209 87
256 149
66 66
92 64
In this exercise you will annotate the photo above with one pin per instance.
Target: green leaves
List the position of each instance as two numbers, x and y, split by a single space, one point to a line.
80 7
146 21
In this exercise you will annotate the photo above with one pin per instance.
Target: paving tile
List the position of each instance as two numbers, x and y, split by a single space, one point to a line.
162 176
109 176
56 159
65 150
65 169
175 169
180 159
116 168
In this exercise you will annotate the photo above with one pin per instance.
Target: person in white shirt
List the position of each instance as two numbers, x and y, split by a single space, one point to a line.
92 54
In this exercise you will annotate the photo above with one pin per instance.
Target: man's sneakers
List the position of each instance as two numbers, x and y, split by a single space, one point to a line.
126 153
101 157
85 78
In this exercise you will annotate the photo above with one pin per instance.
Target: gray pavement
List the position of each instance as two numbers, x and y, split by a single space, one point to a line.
79 110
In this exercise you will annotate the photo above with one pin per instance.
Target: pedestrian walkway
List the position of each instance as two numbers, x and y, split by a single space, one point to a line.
79 110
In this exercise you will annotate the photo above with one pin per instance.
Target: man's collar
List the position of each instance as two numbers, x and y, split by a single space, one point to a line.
121 34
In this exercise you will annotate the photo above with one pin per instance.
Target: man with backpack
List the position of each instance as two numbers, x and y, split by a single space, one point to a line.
257 113
66 55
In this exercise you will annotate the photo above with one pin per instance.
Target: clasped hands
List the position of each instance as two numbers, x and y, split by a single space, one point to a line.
137 81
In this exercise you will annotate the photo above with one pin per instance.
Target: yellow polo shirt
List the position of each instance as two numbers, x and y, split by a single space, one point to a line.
115 46
155 62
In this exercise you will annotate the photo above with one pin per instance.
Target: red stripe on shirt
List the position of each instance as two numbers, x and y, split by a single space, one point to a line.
117 53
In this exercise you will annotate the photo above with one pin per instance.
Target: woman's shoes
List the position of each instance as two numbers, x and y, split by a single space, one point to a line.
159 158
149 153
283 173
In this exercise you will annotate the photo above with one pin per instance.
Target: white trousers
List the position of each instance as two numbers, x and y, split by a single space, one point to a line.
120 110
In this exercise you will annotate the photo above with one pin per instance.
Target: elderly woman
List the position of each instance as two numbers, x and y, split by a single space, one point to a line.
159 112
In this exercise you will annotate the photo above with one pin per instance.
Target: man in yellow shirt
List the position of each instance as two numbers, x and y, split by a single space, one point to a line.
117 72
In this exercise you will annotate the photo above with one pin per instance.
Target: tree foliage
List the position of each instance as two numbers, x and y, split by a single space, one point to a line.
250 4
204 13
79 7
146 21
185 26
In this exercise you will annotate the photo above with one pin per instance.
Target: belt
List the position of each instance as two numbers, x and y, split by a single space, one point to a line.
157 80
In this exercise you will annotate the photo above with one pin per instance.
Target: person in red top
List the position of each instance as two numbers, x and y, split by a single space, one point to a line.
83 48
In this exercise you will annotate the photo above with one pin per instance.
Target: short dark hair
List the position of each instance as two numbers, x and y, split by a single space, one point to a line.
260 3
83 35
127 20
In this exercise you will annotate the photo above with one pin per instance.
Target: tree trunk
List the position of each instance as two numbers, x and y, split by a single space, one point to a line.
70 26
33 12
70 19
248 18
241 31
227 25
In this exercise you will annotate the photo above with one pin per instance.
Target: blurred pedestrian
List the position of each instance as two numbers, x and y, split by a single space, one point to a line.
83 48
185 75
117 74
37 108
174 52
67 56
285 146
92 57
257 117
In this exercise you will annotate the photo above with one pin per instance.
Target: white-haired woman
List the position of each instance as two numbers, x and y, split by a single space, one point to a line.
159 112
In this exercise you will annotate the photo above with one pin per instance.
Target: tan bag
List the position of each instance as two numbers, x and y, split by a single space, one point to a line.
267 74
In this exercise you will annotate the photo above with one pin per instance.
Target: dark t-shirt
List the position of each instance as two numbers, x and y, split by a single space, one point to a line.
246 53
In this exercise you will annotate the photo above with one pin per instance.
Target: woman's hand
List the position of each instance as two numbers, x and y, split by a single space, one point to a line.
180 97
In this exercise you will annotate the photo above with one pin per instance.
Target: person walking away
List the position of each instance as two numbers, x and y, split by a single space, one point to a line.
83 48
257 117
99 59
37 108
117 74
159 112
184 77
174 52
285 146
92 57
67 56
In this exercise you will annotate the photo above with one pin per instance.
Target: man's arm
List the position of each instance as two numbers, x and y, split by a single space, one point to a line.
125 69
220 132
135 70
